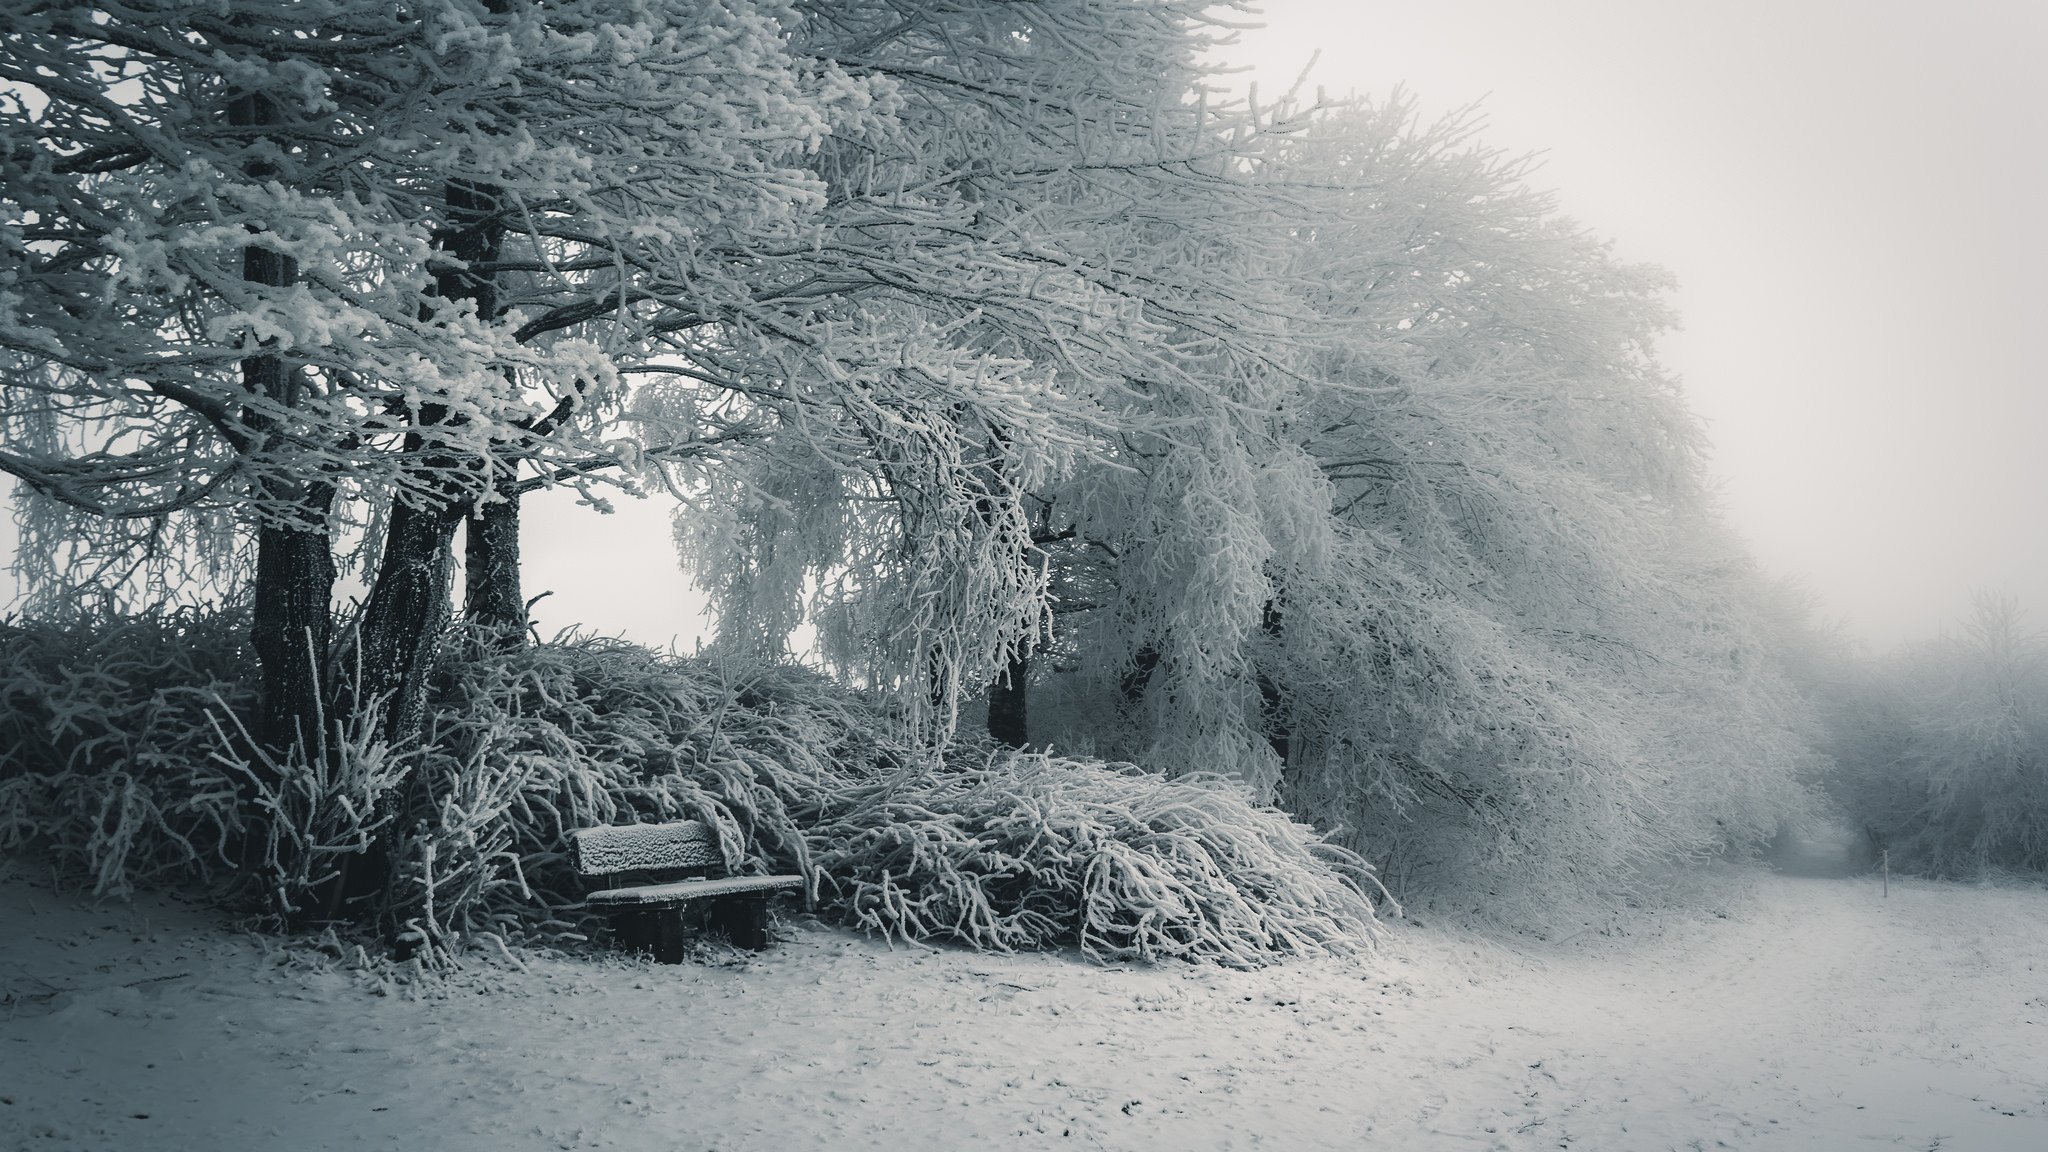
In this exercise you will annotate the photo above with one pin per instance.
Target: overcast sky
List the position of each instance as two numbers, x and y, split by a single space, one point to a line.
1854 197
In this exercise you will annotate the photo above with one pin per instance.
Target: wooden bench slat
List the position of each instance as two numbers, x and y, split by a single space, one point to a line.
683 891
615 848
657 916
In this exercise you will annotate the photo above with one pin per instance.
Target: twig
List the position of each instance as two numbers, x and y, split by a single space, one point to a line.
155 979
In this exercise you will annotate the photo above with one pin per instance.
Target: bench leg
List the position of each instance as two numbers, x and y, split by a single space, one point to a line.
744 920
634 930
655 930
668 940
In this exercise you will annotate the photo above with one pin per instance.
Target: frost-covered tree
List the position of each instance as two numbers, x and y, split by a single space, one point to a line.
296 267
1449 580
334 275
878 254
969 329
1942 747
209 309
1013 276
333 271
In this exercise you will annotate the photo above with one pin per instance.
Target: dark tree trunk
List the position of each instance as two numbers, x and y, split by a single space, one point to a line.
475 234
1273 703
392 663
1273 712
398 641
491 596
291 630
1009 702
411 602
406 617
291 624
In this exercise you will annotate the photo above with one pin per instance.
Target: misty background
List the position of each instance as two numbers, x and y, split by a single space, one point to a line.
1851 195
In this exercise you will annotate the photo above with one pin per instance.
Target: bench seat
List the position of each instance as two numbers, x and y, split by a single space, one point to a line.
683 891
674 896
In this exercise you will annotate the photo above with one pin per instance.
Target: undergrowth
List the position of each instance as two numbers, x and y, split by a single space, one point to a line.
107 746
122 759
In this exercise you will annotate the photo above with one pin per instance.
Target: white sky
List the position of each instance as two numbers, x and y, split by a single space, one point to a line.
1854 196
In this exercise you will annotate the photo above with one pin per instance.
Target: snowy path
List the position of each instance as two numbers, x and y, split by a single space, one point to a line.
1816 1016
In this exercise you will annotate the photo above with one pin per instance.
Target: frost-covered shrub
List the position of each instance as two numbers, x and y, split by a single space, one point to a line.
125 759
523 748
1030 851
310 814
107 752
798 774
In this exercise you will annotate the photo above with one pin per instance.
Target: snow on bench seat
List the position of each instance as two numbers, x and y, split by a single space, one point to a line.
681 891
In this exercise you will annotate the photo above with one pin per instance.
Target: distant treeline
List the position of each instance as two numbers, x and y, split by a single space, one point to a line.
1941 748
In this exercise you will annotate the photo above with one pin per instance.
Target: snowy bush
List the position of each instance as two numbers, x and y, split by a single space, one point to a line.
1031 851
125 760
309 815
107 762
796 774
523 748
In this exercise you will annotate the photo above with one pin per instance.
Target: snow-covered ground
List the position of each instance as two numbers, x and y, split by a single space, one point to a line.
1817 1014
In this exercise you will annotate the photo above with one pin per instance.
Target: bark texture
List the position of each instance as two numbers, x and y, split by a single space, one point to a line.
1132 684
492 596
412 601
1273 710
292 620
291 631
406 618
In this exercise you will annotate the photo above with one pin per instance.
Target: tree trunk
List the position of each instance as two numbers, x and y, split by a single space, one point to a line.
1272 702
491 596
291 625
406 617
411 602
398 642
391 662
1009 702
1132 684
1273 714
291 630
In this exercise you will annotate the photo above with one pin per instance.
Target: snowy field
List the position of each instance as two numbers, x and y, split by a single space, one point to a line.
1803 1014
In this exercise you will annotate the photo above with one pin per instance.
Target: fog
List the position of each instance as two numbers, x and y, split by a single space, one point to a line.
1851 195
1854 197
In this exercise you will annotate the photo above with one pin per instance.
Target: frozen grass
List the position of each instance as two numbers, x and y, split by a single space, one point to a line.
996 851
124 761
106 749
1033 851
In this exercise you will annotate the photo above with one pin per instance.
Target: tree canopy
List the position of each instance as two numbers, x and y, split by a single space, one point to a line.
1304 445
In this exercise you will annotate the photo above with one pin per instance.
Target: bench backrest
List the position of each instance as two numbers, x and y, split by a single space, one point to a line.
645 847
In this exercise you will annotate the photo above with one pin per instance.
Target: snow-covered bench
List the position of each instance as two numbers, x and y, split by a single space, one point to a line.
679 885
